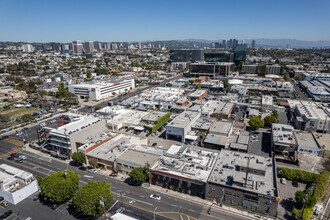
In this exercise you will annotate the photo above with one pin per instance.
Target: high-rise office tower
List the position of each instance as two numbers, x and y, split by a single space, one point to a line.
288 46
64 48
27 48
235 43
55 46
77 47
253 44
217 45
89 47
108 46
224 44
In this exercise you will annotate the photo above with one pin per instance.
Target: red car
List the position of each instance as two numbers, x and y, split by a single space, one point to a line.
14 155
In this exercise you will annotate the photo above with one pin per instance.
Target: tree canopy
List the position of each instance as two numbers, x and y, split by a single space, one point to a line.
27 117
140 174
98 107
287 77
79 157
255 123
60 187
198 86
87 199
269 120
226 85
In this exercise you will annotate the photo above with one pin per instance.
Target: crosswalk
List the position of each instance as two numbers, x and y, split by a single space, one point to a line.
14 141
5 155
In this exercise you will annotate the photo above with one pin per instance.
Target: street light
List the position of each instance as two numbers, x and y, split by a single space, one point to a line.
155 213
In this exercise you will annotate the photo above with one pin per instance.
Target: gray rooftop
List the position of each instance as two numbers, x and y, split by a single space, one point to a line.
154 116
222 127
283 134
184 119
216 139
231 169
134 158
186 162
305 139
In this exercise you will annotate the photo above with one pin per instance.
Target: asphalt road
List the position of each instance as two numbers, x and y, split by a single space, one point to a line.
134 195
300 94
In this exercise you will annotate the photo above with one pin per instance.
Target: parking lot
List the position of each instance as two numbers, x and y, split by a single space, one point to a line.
287 195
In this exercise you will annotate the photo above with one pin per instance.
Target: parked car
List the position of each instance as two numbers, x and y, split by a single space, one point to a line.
114 174
154 144
278 170
91 170
4 204
283 181
6 214
11 158
18 160
82 168
130 182
22 157
53 121
295 184
155 197
14 155
120 210
54 206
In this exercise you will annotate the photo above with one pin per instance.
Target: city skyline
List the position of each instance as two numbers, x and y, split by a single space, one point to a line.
60 21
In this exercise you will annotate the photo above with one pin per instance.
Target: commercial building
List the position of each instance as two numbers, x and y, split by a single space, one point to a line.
184 169
102 89
253 44
217 56
311 117
181 125
199 94
212 70
89 47
307 144
64 139
244 180
319 90
267 102
186 55
27 48
273 69
252 68
218 135
283 138
16 184
240 53
323 141
217 109
77 47
105 153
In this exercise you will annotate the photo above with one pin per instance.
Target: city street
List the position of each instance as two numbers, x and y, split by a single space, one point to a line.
131 195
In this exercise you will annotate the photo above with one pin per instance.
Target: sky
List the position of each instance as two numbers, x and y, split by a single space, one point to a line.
142 20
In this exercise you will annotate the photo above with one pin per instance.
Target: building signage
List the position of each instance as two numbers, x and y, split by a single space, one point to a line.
116 84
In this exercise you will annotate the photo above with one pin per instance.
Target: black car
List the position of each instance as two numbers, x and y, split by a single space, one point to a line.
18 160
114 174
82 168
130 182
154 144
6 214
295 184
11 158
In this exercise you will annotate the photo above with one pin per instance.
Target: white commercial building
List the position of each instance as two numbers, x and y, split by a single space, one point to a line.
77 47
27 48
89 47
307 144
16 184
100 90
64 139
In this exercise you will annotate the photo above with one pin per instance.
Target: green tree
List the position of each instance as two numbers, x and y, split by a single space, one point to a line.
98 107
269 120
275 113
27 117
86 98
226 85
79 157
87 199
140 174
255 123
198 86
60 187
191 81
89 75
287 77
169 84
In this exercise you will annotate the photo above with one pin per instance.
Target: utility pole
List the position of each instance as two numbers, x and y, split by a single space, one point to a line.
102 204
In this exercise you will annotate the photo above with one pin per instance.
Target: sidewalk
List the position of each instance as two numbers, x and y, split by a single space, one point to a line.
203 202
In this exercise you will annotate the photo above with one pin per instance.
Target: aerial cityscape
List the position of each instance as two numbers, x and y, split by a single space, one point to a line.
181 110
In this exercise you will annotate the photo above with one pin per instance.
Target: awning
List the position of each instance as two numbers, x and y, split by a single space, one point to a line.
139 128
191 137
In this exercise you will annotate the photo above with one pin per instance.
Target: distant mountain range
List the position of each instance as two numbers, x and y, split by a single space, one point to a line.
281 43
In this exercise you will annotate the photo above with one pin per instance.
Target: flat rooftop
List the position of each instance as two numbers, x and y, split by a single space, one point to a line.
154 116
283 134
232 167
186 162
267 100
323 140
184 119
305 139
136 158
116 146
221 127
197 93
14 172
218 106
77 123
203 123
